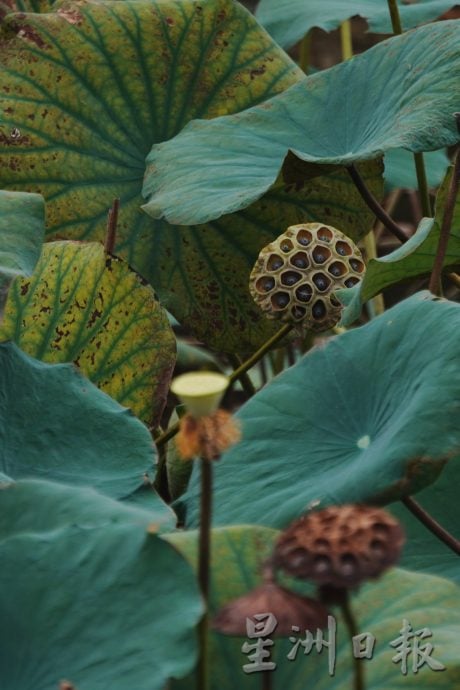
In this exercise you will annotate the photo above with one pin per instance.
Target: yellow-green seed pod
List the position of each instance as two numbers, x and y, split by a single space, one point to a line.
295 276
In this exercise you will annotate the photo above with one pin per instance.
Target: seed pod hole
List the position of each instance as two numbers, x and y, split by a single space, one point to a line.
351 282
322 544
343 248
334 301
380 529
304 293
300 260
356 265
265 284
290 278
319 310
322 564
280 300
321 255
377 547
348 564
274 262
304 237
286 246
324 234
299 558
298 313
337 269
321 281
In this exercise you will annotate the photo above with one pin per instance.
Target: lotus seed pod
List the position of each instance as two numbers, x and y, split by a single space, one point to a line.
288 608
340 546
295 276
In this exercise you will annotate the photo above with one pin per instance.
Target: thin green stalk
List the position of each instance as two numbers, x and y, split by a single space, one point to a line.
395 18
430 523
444 234
422 183
161 483
203 569
348 616
271 342
304 57
418 157
377 303
346 40
245 366
244 378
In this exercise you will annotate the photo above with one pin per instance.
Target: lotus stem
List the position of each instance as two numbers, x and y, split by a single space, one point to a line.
350 621
435 281
112 222
418 157
430 523
374 205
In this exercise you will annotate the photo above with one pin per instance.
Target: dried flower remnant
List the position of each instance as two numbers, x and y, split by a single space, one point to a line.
204 431
207 437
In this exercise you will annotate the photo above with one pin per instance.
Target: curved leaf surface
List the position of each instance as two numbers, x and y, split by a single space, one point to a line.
400 93
86 599
84 306
22 230
85 133
55 424
380 607
400 169
57 505
414 258
423 552
288 21
356 420
26 5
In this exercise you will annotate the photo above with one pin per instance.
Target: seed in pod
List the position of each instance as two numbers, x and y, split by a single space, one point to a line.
288 608
340 546
295 276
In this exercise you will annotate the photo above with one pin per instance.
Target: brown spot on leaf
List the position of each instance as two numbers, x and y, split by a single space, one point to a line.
257 71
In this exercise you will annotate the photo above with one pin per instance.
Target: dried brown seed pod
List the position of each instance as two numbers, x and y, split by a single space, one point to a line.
340 546
295 276
289 609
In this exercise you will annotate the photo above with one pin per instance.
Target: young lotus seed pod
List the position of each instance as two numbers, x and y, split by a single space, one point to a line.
295 276
287 607
340 546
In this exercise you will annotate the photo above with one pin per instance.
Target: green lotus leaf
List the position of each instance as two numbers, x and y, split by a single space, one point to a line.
84 306
84 595
62 505
400 93
288 20
7 6
380 608
423 552
22 230
414 258
55 424
84 135
355 420
400 169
